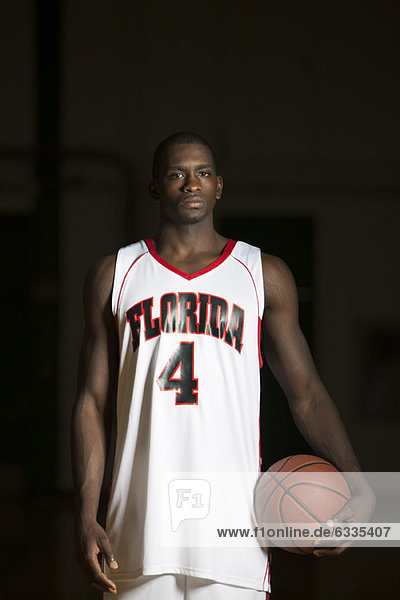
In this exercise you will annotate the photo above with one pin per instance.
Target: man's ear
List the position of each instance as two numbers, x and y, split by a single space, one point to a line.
154 192
220 186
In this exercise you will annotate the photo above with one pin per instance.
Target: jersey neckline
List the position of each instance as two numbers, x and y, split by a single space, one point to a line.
226 252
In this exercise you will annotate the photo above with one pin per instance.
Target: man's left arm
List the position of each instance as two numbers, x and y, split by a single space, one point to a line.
314 413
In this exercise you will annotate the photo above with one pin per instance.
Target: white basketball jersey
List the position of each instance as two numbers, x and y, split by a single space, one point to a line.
188 400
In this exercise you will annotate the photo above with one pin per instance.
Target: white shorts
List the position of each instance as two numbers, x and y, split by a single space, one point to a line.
181 587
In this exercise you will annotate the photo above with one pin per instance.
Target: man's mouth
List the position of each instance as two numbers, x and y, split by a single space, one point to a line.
193 201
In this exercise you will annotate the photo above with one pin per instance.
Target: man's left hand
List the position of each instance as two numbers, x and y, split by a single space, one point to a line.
357 510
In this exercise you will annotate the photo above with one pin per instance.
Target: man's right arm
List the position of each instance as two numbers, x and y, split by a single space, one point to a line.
97 376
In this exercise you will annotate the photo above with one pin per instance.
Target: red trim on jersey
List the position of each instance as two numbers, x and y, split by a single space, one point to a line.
126 274
117 330
268 570
227 251
259 440
260 360
258 309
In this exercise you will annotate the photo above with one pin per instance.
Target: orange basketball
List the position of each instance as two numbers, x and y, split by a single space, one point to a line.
299 489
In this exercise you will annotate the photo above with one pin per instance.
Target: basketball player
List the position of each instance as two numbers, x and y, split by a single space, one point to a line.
173 323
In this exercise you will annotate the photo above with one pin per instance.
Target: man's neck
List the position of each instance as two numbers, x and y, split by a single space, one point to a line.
188 240
189 249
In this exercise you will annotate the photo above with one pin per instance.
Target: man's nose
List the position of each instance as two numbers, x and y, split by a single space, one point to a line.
192 183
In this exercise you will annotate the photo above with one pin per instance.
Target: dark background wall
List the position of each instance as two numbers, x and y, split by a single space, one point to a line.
300 101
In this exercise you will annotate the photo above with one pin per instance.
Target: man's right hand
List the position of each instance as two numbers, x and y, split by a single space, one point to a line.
91 542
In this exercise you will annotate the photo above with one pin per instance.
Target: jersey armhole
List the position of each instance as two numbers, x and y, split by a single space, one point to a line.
115 288
126 258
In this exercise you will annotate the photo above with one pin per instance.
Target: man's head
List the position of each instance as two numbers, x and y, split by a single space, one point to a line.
176 139
185 182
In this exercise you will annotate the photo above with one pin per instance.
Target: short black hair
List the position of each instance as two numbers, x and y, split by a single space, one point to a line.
180 137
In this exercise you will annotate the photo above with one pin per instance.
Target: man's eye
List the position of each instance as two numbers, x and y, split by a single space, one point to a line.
174 175
204 173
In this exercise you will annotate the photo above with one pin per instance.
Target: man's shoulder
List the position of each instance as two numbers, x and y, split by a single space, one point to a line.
142 243
133 250
244 250
243 244
273 264
278 278
99 278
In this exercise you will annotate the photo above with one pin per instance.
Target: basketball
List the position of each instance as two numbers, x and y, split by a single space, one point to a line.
299 489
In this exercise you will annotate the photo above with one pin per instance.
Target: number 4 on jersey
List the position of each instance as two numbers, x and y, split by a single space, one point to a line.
185 385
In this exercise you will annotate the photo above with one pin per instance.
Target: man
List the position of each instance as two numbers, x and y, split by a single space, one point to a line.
174 323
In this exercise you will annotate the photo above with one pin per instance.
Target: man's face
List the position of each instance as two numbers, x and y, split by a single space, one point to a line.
187 186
